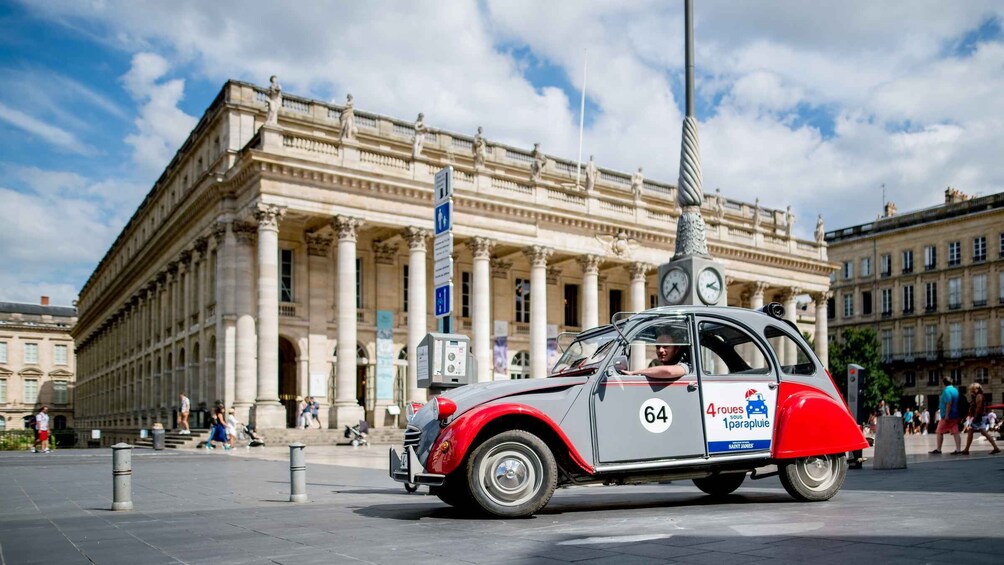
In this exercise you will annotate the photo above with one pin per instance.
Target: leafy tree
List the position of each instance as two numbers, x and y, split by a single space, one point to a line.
861 346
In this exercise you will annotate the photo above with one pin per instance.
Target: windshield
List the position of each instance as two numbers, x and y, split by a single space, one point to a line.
585 355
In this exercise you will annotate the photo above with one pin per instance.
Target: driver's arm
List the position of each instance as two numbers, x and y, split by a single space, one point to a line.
661 371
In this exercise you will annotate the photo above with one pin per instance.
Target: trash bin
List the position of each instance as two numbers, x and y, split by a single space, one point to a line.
158 436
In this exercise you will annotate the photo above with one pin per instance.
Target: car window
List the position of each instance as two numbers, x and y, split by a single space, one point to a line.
728 350
585 354
795 360
663 342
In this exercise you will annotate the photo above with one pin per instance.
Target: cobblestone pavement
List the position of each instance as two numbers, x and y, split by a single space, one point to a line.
215 507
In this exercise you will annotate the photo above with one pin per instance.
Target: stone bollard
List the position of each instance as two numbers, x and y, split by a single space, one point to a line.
890 449
297 473
121 476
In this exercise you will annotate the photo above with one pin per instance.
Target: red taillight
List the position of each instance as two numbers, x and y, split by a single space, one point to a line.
446 407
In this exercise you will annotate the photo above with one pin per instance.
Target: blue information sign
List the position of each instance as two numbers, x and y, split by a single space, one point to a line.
444 221
444 302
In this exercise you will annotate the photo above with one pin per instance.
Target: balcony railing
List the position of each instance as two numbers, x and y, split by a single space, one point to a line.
954 305
928 309
287 310
979 303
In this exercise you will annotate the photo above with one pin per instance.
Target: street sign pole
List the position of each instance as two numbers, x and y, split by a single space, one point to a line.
443 247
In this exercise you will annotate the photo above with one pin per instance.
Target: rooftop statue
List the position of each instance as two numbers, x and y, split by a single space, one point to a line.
538 163
418 138
347 121
789 221
637 181
480 149
273 101
592 174
820 232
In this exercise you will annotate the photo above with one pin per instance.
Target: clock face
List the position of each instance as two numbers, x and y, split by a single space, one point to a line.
674 285
709 286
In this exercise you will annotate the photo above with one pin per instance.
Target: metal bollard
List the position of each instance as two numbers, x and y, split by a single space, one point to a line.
121 476
297 473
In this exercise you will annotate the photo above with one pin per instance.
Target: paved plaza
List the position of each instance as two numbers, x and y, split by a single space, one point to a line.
231 507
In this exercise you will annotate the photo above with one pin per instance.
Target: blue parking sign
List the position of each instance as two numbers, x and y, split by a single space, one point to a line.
444 303
444 221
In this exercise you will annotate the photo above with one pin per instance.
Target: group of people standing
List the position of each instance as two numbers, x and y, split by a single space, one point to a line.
223 424
307 410
978 418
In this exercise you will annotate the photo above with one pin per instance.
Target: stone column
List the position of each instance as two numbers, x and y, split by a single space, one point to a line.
245 362
319 358
269 413
417 297
226 313
538 256
756 290
790 354
590 290
346 409
639 273
185 272
820 299
481 249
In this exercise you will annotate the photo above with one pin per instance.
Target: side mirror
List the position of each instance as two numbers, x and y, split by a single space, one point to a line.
620 363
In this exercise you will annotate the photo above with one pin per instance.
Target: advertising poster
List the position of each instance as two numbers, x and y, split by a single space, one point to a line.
739 416
385 355
500 350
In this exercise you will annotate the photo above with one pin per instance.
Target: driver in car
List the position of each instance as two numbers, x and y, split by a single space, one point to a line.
670 354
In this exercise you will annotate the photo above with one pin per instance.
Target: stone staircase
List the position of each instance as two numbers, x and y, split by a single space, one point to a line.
276 437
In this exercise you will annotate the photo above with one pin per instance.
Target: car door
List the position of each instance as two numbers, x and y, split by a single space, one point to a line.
738 388
638 418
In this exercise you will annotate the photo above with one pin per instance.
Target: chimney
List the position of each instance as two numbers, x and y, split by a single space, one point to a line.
953 196
45 301
890 210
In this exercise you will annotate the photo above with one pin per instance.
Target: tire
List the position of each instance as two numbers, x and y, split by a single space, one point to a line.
355 443
455 493
813 479
720 485
512 474
410 487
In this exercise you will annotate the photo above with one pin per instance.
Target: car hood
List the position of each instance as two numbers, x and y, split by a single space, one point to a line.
469 396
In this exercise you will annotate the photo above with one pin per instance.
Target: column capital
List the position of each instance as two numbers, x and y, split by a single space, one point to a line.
416 237
820 298
184 259
745 298
201 244
481 247
500 268
757 288
245 233
538 254
219 231
346 227
268 215
590 263
639 271
552 274
318 244
385 252
790 293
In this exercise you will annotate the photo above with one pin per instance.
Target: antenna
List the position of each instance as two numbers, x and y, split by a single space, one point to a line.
582 114
883 199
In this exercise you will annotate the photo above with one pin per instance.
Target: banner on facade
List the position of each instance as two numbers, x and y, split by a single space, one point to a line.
318 385
500 353
385 355
552 346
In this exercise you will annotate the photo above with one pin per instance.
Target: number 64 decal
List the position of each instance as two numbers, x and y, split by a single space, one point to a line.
655 415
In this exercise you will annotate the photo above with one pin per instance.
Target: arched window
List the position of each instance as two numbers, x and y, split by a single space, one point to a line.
519 367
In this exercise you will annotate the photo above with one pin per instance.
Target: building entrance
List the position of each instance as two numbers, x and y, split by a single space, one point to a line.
287 380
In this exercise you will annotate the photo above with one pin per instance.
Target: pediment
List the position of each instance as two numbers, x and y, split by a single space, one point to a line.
60 373
30 372
5 372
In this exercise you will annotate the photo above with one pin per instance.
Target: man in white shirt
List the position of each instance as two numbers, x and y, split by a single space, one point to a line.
186 407
42 426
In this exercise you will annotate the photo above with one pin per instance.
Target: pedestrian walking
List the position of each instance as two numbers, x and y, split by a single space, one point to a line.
925 421
978 418
315 411
186 408
882 408
949 416
42 429
301 412
908 421
231 427
218 429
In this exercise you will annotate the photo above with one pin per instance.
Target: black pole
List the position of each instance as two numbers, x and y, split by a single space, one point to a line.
689 16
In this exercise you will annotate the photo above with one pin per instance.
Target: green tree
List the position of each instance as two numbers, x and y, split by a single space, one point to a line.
861 346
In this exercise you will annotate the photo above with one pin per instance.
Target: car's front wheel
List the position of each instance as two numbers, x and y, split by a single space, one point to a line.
720 485
512 474
813 479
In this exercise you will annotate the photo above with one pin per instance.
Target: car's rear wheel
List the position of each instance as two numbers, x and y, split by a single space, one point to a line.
720 485
813 479
512 474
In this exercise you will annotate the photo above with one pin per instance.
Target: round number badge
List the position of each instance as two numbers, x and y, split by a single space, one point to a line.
655 415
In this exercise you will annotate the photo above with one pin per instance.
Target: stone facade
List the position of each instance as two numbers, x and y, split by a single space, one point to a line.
254 270
931 284
37 363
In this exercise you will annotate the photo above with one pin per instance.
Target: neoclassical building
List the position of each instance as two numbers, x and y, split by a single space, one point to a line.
286 251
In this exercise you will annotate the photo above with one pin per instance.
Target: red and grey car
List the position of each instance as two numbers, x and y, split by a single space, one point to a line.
754 396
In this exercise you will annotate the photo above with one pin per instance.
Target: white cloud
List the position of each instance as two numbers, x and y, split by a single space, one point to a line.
161 126
47 132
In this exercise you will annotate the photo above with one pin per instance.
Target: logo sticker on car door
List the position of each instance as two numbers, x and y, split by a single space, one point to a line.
738 416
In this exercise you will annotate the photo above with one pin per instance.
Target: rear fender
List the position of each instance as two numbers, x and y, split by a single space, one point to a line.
455 440
810 422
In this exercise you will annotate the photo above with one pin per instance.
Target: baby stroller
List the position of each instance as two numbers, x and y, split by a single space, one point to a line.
254 439
357 434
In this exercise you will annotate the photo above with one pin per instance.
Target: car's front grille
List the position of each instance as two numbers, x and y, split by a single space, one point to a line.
412 435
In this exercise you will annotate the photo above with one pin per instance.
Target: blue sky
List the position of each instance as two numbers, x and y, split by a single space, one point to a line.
808 104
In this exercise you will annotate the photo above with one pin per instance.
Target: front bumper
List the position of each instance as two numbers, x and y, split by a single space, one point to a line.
405 469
